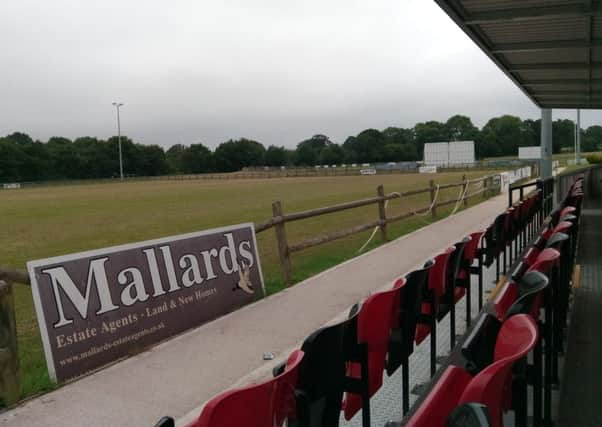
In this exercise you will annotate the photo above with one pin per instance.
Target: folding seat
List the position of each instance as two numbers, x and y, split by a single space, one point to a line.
267 404
365 370
321 379
403 334
529 298
521 297
441 400
427 320
495 242
532 285
492 386
472 252
452 293
562 227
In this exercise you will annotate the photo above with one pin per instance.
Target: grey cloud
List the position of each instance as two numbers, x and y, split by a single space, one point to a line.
277 71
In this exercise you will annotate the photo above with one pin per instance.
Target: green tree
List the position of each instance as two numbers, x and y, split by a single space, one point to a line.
197 159
592 139
234 155
367 146
563 134
460 128
150 160
395 135
308 151
65 163
431 131
502 136
12 159
174 158
275 156
332 154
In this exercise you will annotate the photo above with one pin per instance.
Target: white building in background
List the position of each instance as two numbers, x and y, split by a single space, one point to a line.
529 153
449 153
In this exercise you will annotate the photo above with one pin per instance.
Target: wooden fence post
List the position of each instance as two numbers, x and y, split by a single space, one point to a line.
382 213
465 189
433 190
9 361
283 252
485 185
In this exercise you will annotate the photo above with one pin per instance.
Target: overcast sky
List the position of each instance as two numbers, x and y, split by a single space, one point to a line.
277 71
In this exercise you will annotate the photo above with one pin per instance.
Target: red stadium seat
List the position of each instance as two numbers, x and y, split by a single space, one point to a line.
268 404
545 260
442 399
437 280
493 386
375 321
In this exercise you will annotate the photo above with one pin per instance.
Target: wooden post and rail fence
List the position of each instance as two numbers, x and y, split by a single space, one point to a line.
286 249
9 361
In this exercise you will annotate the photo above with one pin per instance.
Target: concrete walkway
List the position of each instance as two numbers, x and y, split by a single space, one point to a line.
177 377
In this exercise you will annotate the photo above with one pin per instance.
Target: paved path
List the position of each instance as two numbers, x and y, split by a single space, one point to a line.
177 377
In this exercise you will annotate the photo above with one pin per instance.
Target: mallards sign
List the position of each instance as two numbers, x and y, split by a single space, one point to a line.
96 307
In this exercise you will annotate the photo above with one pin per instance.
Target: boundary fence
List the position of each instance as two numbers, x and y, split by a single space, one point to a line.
274 172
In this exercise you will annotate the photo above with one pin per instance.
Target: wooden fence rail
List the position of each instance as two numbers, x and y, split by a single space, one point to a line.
279 218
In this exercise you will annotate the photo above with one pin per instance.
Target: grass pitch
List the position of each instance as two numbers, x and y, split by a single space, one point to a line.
50 221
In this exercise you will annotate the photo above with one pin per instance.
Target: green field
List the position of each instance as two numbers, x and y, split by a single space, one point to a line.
49 221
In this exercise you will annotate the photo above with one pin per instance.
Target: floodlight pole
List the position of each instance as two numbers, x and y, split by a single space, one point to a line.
117 105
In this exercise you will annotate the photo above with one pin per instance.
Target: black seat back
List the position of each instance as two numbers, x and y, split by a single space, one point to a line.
411 296
454 262
488 246
479 346
322 372
529 286
557 240
499 233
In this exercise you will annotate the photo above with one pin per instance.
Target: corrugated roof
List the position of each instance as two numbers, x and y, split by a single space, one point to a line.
552 49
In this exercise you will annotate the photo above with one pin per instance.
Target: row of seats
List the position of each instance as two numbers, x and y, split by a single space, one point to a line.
494 371
340 367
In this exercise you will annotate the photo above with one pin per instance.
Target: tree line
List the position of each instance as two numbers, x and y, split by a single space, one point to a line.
23 159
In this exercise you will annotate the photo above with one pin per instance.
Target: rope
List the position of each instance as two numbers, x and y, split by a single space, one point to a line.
461 197
394 193
425 213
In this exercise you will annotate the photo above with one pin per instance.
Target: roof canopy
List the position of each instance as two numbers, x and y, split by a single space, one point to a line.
552 49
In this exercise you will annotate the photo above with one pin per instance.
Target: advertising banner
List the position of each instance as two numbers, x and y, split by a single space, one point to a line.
96 307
